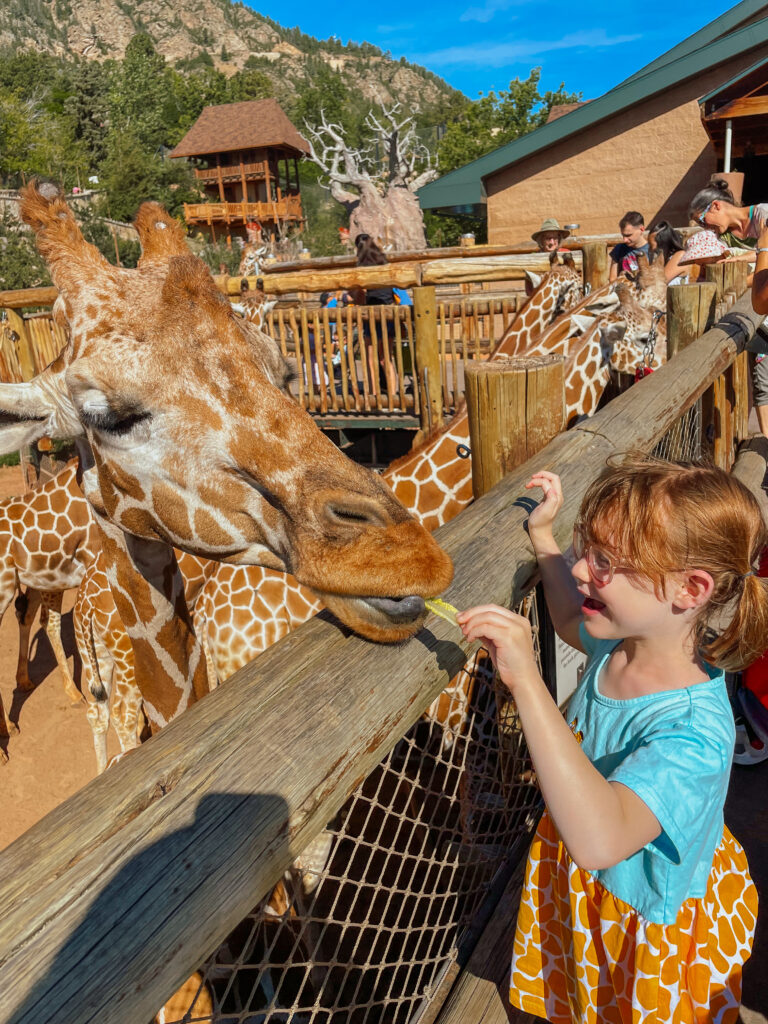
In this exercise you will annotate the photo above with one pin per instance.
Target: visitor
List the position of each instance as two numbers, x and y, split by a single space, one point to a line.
624 255
368 254
739 227
667 243
550 236
636 895
701 250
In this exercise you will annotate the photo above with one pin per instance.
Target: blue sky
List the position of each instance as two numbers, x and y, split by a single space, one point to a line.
479 45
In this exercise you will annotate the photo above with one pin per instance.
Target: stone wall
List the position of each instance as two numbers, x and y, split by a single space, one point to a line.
652 158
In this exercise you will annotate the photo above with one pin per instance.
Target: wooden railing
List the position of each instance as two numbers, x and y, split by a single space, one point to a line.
232 171
154 862
364 359
286 208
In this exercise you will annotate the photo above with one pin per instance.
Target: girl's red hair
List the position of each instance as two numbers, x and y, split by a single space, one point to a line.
664 517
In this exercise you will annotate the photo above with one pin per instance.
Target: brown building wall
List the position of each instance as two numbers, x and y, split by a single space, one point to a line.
651 158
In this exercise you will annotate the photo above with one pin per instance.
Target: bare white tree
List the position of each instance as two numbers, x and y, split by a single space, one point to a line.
379 194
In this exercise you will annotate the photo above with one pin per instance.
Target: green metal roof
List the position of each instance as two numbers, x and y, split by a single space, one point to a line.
464 187
732 81
726 23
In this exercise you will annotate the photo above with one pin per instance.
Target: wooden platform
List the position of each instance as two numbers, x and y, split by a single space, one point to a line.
481 993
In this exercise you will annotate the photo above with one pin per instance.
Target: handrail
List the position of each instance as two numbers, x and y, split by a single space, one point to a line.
113 898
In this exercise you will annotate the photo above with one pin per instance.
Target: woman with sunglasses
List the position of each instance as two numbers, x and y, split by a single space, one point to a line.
637 904
715 207
744 231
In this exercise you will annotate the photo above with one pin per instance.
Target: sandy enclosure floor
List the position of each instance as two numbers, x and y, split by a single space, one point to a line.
51 756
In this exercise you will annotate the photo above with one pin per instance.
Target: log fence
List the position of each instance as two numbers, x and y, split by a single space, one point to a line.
118 895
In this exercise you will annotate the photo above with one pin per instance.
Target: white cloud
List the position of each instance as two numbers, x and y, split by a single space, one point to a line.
496 55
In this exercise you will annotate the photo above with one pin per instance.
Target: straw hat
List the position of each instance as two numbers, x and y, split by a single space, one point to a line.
704 246
550 224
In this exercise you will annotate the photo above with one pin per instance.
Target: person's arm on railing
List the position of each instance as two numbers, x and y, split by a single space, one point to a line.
760 278
562 596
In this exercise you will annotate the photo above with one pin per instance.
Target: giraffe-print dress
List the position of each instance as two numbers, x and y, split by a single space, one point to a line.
662 937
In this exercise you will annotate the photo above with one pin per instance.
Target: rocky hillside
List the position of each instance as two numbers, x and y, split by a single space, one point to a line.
229 36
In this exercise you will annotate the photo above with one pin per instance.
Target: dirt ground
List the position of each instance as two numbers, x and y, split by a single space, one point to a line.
52 755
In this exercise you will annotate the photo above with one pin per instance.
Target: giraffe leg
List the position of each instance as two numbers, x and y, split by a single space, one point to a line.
5 731
126 715
97 696
26 606
52 604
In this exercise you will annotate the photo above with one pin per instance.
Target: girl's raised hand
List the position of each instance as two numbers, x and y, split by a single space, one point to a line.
543 516
507 638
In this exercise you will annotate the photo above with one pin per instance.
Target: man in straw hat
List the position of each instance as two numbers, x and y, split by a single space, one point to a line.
550 235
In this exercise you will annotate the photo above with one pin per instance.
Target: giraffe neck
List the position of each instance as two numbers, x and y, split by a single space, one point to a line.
149 593
530 321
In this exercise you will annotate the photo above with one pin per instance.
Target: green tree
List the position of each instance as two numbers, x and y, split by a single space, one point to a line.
87 107
140 97
494 120
21 265
130 174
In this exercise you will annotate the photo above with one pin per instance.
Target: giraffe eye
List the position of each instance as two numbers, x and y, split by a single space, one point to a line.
109 421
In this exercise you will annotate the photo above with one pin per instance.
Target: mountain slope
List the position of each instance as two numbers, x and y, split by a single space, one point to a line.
227 35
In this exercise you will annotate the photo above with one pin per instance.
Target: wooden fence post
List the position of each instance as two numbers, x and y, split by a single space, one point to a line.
427 357
515 408
595 266
690 312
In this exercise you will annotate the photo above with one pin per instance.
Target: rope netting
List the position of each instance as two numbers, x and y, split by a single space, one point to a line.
371 917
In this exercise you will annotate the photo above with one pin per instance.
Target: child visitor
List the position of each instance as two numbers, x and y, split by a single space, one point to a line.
638 904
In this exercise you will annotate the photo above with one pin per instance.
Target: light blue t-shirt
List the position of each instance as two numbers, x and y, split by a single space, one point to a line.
674 750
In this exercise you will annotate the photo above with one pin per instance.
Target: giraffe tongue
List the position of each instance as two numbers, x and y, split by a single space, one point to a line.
398 609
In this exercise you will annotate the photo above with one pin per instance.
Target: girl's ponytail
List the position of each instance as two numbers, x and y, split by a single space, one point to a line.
745 637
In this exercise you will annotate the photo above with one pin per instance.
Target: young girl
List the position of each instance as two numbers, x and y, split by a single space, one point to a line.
638 905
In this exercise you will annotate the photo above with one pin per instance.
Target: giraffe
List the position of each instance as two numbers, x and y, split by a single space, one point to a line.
255 481
557 292
47 542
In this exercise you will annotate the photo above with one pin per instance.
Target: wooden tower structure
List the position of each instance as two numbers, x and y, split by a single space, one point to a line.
248 168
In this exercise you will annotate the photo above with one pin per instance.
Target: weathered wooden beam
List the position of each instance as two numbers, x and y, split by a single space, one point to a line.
116 896
487 268
744 106
449 252
19 298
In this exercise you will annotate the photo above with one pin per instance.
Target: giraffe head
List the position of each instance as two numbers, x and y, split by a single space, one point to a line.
193 440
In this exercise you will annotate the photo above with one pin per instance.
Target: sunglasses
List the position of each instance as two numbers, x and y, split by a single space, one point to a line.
600 564
704 213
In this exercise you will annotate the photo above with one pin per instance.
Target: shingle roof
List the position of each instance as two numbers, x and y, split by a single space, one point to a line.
247 125
561 109
464 189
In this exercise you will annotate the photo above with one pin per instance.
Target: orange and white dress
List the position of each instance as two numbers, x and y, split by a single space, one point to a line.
661 937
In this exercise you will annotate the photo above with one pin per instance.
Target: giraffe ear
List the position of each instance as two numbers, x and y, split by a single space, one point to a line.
567 259
581 322
73 262
532 281
160 235
604 303
613 333
39 408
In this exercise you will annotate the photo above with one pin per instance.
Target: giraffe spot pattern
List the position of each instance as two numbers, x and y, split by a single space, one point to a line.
582 956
